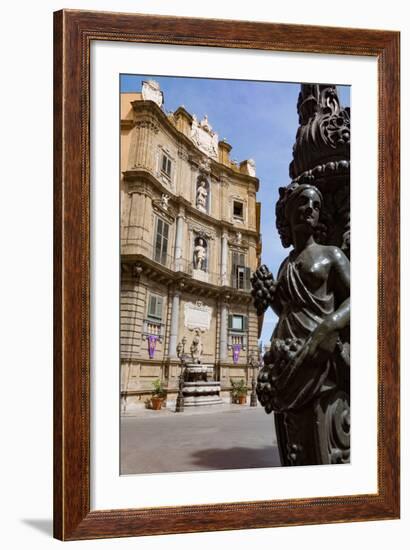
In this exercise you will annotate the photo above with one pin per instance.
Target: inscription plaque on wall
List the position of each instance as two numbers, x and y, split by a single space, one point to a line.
197 316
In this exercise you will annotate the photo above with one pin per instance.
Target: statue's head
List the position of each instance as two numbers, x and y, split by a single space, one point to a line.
299 206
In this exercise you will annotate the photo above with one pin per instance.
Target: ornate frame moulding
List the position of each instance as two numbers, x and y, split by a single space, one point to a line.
74 32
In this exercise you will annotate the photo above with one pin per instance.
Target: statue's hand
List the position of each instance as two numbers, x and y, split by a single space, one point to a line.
323 339
263 288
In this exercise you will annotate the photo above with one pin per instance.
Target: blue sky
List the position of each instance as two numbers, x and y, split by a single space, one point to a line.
259 120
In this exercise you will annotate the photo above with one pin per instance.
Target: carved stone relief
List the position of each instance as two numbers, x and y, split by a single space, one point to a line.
204 137
151 92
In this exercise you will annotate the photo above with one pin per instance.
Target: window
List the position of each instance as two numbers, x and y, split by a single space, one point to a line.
161 242
238 210
166 165
240 277
238 323
155 307
240 273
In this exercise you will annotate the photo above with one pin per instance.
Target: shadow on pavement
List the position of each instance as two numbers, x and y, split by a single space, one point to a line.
236 457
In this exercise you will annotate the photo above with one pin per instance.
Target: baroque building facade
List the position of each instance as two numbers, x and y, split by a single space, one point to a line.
190 239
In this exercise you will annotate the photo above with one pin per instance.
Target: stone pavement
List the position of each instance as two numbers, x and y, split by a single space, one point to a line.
217 437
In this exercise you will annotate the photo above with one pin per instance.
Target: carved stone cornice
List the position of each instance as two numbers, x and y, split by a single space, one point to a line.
132 270
127 124
145 269
194 153
168 213
140 186
238 243
183 154
141 180
147 123
144 182
202 230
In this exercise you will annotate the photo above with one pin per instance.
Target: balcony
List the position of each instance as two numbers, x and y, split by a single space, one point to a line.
153 328
178 265
237 338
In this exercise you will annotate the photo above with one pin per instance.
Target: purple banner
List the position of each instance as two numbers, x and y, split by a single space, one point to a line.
152 342
236 350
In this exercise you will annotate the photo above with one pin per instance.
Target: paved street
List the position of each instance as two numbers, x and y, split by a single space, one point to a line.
208 438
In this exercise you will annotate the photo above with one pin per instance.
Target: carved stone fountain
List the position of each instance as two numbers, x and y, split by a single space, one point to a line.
199 386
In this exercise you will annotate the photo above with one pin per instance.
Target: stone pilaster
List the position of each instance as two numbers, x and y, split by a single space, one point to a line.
173 335
179 239
144 129
223 335
224 259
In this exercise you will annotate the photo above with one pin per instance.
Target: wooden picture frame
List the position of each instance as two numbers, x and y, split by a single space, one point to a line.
74 32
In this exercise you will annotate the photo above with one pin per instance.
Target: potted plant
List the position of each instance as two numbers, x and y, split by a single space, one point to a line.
239 392
158 395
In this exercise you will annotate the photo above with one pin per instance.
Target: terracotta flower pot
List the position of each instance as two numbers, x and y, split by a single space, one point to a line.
241 399
157 403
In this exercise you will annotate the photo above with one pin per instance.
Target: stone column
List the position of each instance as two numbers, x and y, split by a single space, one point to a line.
223 337
173 336
224 258
178 240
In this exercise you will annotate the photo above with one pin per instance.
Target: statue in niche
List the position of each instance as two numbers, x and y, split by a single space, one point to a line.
201 196
164 201
196 346
305 379
200 254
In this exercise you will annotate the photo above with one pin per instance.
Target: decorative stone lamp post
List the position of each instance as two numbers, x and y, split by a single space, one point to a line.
181 356
254 364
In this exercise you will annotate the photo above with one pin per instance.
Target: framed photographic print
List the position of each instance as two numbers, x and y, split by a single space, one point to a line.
226 275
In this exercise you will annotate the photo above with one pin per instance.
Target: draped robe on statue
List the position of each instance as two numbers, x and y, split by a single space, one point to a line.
294 378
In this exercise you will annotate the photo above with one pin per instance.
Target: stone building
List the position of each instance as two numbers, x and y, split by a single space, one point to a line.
190 239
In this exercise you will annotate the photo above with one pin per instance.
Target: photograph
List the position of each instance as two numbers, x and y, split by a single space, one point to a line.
209 372
235 274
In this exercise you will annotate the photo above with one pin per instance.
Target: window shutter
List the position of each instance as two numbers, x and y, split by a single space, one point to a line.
245 323
155 307
247 278
230 322
165 230
161 241
151 305
234 260
234 279
158 239
158 309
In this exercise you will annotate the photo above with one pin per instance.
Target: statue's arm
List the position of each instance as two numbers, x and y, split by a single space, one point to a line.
340 280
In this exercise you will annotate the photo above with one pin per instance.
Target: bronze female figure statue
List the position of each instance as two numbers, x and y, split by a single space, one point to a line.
306 375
